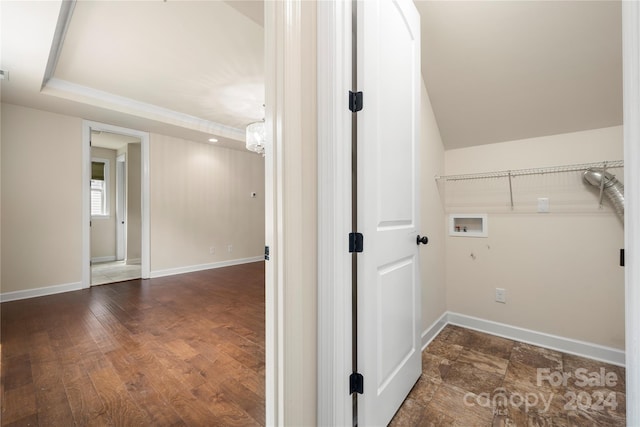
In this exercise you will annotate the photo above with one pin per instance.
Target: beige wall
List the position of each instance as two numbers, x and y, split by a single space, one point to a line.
200 198
432 256
560 269
134 203
196 189
103 229
41 236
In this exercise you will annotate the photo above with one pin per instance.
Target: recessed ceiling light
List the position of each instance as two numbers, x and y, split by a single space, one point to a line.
213 140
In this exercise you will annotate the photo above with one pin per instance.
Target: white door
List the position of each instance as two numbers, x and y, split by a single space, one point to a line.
120 207
389 317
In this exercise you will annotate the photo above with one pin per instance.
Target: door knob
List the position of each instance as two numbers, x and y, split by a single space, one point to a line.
424 240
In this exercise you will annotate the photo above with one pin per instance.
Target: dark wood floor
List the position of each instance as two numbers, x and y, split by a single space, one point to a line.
179 350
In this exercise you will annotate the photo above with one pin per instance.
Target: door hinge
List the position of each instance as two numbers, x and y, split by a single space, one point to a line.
356 242
266 253
355 101
621 257
356 383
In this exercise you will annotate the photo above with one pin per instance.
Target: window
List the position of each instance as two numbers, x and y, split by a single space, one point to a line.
99 187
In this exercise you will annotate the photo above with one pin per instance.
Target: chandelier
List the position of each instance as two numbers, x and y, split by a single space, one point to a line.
255 137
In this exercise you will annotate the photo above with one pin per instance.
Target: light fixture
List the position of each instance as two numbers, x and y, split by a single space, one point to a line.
213 140
255 137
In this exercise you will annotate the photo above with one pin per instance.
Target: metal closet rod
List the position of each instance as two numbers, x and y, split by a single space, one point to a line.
536 171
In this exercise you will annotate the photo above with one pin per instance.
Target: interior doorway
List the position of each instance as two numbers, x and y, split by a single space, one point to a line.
115 204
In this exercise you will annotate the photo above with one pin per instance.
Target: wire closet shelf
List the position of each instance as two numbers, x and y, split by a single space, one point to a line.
535 171
603 166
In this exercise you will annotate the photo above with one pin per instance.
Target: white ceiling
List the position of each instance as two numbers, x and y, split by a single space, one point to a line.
495 71
191 69
506 70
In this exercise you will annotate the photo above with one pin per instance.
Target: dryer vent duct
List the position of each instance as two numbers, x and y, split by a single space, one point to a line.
611 187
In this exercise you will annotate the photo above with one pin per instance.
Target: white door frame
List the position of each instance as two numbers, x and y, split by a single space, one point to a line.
631 109
121 207
87 127
273 348
291 211
334 213
334 302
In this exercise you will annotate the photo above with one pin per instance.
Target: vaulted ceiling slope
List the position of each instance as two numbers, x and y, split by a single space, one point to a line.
507 70
495 70
193 69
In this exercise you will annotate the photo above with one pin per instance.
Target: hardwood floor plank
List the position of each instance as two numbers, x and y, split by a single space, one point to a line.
18 403
183 402
226 411
199 331
184 350
52 401
228 334
144 394
14 337
181 349
41 349
83 347
118 405
253 335
250 402
16 372
160 320
179 368
85 403
254 362
225 367
207 368
104 341
118 333
29 421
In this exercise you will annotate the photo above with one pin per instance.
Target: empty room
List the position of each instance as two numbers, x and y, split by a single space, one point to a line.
229 213
170 197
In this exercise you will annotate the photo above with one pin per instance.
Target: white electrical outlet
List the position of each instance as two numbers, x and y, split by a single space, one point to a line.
501 295
230 248
212 250
543 204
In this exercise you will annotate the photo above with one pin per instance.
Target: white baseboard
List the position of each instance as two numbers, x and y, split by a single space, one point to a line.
39 292
432 331
98 259
541 339
200 267
57 289
133 261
